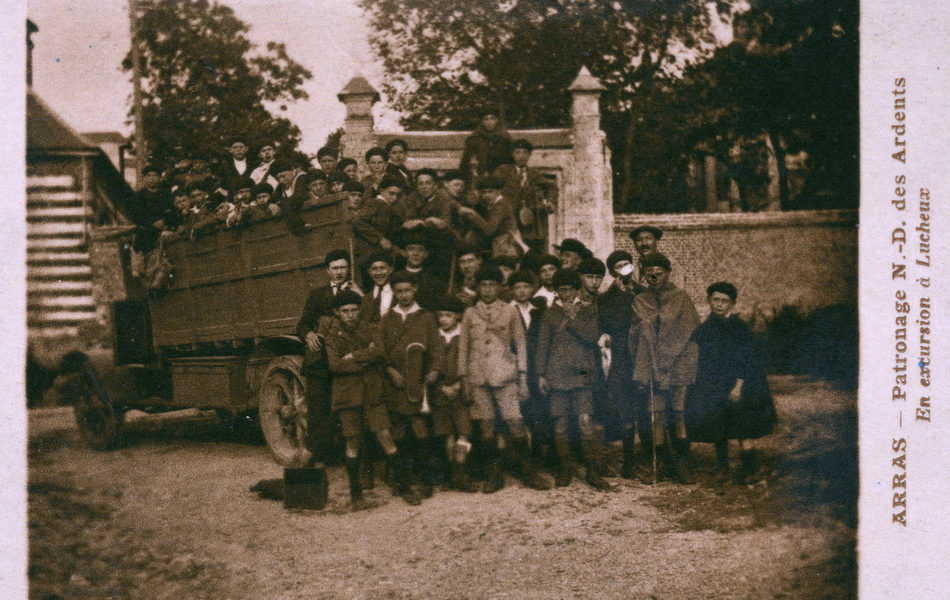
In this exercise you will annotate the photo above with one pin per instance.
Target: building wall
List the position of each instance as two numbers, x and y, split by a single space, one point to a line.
806 259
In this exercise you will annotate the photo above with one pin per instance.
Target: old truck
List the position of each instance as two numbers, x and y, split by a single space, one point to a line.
219 336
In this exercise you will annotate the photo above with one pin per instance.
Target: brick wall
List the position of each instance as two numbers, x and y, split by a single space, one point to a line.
807 259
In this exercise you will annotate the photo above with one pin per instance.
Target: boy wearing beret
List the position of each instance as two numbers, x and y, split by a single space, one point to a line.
567 371
665 356
493 363
355 363
408 340
451 419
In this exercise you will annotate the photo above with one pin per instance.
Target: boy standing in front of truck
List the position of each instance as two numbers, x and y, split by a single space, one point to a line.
311 329
355 363
407 335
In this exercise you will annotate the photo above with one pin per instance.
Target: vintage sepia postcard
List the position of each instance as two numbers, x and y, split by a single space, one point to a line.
475 299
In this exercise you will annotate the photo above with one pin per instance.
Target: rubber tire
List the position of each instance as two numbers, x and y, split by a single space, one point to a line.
282 410
99 423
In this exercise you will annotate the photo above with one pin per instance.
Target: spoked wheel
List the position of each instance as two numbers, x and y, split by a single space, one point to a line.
99 423
282 407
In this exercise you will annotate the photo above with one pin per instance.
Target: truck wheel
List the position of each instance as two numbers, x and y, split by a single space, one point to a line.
99 423
282 409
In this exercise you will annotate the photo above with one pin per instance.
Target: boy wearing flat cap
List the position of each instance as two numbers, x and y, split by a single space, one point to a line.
355 362
664 356
451 419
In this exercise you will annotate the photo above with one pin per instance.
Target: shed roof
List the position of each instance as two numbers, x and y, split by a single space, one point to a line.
46 131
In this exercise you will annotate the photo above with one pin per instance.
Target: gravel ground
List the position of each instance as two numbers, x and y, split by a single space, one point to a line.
169 516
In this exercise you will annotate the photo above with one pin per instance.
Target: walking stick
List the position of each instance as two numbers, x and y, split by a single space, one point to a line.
653 430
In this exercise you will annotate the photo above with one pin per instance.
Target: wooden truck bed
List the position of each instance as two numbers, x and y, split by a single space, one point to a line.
240 284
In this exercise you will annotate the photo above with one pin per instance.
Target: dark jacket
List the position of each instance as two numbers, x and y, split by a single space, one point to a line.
728 351
491 148
357 380
567 347
317 316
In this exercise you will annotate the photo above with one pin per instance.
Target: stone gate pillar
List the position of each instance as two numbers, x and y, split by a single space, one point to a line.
585 211
359 97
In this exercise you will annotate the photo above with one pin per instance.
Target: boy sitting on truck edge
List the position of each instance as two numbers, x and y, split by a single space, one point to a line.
355 364
493 362
407 336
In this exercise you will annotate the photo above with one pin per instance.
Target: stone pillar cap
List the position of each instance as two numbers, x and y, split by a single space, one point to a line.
585 82
358 86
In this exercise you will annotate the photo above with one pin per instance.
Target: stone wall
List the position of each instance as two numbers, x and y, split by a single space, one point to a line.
806 259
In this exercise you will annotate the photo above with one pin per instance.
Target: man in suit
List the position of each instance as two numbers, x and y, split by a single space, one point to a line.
615 311
533 195
646 238
311 329
431 288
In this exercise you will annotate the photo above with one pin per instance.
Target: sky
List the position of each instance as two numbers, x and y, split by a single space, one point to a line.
81 43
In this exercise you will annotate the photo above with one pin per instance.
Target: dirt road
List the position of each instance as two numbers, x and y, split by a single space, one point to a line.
169 516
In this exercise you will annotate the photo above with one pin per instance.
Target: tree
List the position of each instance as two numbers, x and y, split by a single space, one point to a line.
447 61
204 81
790 80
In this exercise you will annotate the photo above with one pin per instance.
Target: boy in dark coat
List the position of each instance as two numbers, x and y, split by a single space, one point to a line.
408 339
355 363
567 371
615 312
317 316
536 411
731 397
451 419
493 362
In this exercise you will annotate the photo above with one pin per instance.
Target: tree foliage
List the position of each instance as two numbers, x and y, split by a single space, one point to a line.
204 81
446 61
673 90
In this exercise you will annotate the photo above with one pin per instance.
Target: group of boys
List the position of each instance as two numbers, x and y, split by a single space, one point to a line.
503 213
199 193
527 361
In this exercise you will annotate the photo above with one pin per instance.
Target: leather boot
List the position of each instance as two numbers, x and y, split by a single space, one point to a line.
530 473
681 456
403 476
357 502
629 469
594 458
461 480
666 466
565 469
722 461
496 477
748 472
423 471
438 461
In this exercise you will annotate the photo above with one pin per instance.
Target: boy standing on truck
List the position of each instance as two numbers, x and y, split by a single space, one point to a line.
407 335
311 329
355 363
